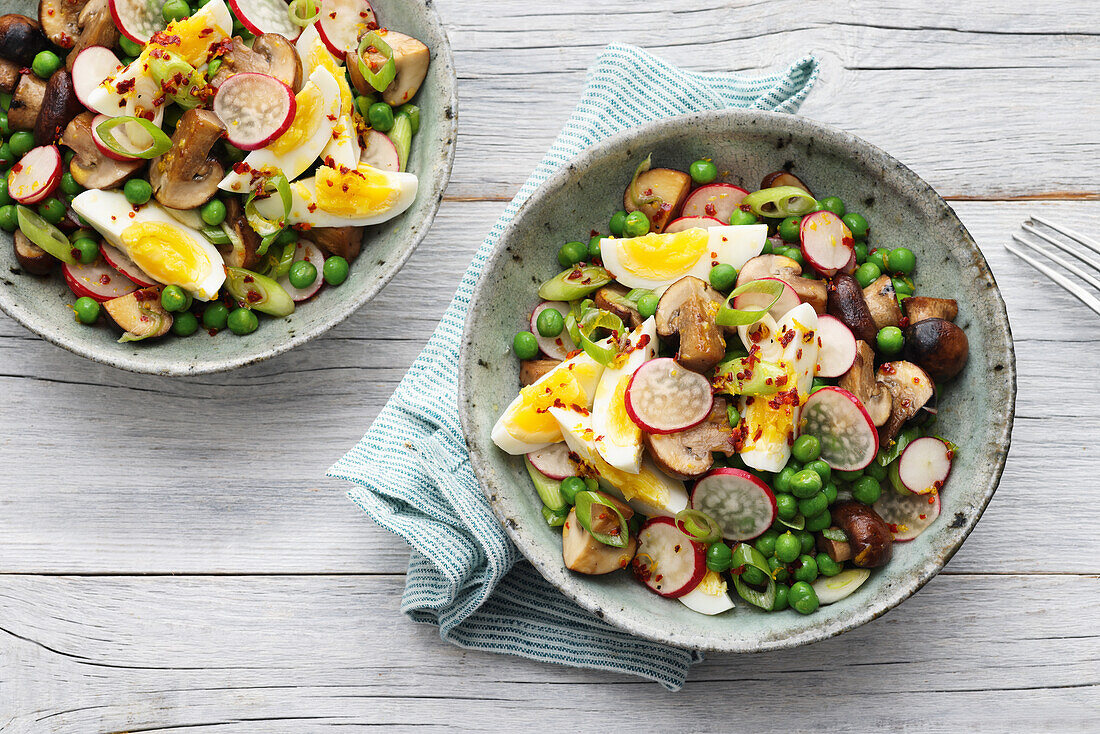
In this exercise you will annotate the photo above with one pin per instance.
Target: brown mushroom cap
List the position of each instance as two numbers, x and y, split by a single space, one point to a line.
26 102
612 298
860 381
32 258
97 28
868 535
343 241
688 309
60 20
90 167
530 370
671 189
809 290
846 302
282 59
839 550
187 176
140 313
59 106
411 59
910 390
882 302
20 39
688 454
584 554
937 345
784 178
919 308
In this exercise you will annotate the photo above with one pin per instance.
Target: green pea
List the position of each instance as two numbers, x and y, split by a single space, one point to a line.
857 225
879 256
867 273
867 490
832 204
786 506
754 576
767 249
766 543
806 448
781 598
794 253
877 471
741 216
68 156
803 598
5 126
570 486
86 310
242 321
45 64
380 117
215 316
185 324
826 566
703 171
302 274
86 250
174 298
814 504
723 276
902 260
807 568
594 246
9 221
733 416
902 286
129 47
806 539
335 270
848 476
6 156
790 229
138 191
5 197
572 253
890 340
175 10
779 569
818 522
719 556
782 481
617 223
861 252
69 185
831 491
787 547
525 345
636 224
647 305
52 210
550 322
21 143
821 468
213 212
806 483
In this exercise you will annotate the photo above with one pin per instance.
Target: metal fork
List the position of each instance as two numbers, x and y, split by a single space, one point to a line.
1076 289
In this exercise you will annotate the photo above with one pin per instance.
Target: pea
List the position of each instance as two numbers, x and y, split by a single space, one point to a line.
807 568
879 256
803 598
779 569
6 156
647 305
766 543
867 490
857 225
781 598
617 223
806 448
903 287
867 273
45 64
790 229
380 116
890 340
740 216
572 253
215 316
21 143
794 253
5 198
242 321
550 322
806 483
68 156
129 47
569 488
213 212
525 345
138 191
902 260
877 471
9 221
821 468
175 10
733 416
826 566
787 547
69 186
594 246
5 127
86 310
813 505
185 324
52 210
335 270
831 491
636 224
861 252
86 250
782 481
723 276
719 556
818 522
302 274
849 476
786 506
833 204
754 576
703 171
174 298
767 249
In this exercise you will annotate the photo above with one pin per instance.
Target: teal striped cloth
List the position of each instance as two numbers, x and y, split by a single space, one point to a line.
412 471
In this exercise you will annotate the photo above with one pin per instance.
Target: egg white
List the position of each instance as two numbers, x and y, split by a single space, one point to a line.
343 148
304 209
622 450
708 597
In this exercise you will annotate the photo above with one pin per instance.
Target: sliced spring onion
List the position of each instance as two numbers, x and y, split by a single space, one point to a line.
780 201
745 555
699 525
635 294
176 77
574 283
952 447
45 235
730 316
893 451
285 261
258 292
637 199
835 534
303 12
159 145
585 502
742 376
549 489
264 227
554 518
589 321
382 78
798 522
401 136
216 235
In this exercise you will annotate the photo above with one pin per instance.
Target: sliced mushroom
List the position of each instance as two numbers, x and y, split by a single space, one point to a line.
239 59
938 346
140 313
868 535
919 308
882 302
187 176
613 298
910 390
860 381
97 28
60 20
32 258
668 189
90 167
59 106
688 310
410 56
584 554
282 60
846 302
784 178
243 252
809 290
530 370
9 75
689 454
20 39
839 550
26 102
343 241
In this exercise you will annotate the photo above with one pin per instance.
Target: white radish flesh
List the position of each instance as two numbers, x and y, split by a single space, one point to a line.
255 109
123 264
831 589
138 20
90 69
908 515
665 397
309 252
925 465
97 280
380 152
553 461
849 440
739 502
716 200
342 22
554 347
668 562
827 242
265 16
836 347
36 175
788 299
120 137
679 225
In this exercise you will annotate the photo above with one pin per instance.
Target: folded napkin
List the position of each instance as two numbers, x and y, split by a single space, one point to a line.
412 470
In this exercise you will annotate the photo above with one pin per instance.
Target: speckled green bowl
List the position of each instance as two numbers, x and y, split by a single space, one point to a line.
42 303
976 410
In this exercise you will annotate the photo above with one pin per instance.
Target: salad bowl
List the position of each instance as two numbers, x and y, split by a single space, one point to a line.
977 407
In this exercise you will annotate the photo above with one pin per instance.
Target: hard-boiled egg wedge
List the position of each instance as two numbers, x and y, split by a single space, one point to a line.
295 150
650 491
526 426
343 148
618 439
769 423
711 596
167 250
656 261
345 197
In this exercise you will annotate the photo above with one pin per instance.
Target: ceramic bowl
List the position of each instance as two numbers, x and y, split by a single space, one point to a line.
42 304
976 409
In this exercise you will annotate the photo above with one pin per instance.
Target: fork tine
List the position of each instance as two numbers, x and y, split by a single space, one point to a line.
1086 241
1080 293
1030 229
1061 261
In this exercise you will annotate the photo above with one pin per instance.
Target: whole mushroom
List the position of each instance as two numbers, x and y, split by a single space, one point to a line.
860 381
809 290
919 308
410 58
59 106
20 39
882 302
687 310
937 345
869 536
910 390
846 302
97 28
90 167
688 454
187 176
584 554
60 20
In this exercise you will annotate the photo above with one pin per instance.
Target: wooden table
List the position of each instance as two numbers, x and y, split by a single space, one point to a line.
173 560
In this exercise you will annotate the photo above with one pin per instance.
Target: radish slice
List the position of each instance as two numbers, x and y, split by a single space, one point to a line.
554 347
306 250
554 461
266 16
120 136
716 200
679 225
827 242
255 108
740 503
90 69
908 516
831 589
836 347
380 152
669 562
756 301
849 440
36 175
138 20
123 264
97 280
925 465
664 397
342 22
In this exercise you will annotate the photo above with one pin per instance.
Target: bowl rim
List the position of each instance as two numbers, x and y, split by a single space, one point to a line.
444 56
588 595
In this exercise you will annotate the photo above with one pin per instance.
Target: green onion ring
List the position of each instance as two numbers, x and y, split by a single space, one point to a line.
699 526
729 316
160 145
591 320
798 522
745 555
584 503
215 235
554 518
295 11
264 227
382 78
45 235
780 201
640 201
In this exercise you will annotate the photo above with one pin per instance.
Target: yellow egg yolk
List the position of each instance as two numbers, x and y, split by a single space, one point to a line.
623 431
712 584
308 118
662 256
190 38
349 193
530 420
165 252
319 56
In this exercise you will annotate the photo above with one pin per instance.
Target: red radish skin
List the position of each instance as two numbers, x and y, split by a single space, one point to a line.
742 504
925 465
836 347
679 225
827 243
123 264
92 66
306 250
716 200
553 461
97 280
908 516
554 347
341 22
668 562
665 397
266 16
380 152
849 439
138 20
36 175
755 301
255 108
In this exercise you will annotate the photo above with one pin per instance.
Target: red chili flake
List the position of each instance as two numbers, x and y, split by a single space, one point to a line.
642 341
676 549
759 432
786 337
903 322
922 516
808 337
205 32
125 85
161 38
241 168
254 297
17 168
248 279
709 209
312 208
798 353
787 397
106 280
888 368
781 381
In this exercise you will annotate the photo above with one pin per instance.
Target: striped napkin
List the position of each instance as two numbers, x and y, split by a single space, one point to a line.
412 471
